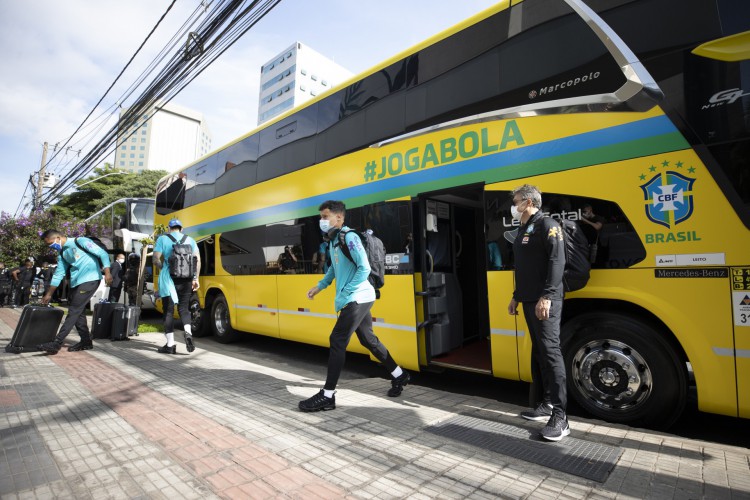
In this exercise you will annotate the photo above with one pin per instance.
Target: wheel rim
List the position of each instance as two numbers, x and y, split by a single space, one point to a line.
220 318
612 375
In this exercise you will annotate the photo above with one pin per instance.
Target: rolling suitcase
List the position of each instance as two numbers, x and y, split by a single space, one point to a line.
125 322
37 325
101 326
134 317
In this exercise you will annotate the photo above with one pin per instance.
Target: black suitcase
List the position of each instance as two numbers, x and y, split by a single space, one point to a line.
125 322
37 325
101 325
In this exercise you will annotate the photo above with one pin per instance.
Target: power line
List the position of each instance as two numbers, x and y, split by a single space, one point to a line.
119 75
227 22
192 19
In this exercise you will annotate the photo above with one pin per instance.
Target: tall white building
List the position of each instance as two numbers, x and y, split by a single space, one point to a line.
167 137
294 76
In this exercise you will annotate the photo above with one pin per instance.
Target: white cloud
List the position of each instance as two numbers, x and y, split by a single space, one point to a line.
60 57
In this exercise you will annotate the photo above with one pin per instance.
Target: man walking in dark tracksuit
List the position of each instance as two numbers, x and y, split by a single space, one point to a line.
354 299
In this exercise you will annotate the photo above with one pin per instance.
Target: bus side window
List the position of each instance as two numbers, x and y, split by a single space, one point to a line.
391 222
237 166
617 244
207 250
288 145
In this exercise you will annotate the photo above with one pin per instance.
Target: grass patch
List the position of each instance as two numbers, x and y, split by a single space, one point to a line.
150 326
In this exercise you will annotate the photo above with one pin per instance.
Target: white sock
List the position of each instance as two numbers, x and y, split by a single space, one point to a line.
170 339
397 372
188 330
327 393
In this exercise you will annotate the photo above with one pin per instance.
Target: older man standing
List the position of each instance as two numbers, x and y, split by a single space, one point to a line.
540 261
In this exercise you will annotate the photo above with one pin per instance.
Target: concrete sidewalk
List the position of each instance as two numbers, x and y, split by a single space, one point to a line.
122 421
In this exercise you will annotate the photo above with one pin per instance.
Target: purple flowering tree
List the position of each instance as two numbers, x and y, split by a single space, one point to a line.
20 237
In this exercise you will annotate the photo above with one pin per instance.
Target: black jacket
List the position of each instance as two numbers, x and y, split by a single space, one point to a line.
539 253
117 274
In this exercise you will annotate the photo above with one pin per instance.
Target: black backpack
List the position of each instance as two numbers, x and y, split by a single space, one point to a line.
375 251
577 264
181 265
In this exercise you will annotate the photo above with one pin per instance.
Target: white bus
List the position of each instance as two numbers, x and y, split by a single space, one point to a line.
121 226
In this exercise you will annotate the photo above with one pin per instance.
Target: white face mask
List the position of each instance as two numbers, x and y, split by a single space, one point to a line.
325 225
515 213
121 261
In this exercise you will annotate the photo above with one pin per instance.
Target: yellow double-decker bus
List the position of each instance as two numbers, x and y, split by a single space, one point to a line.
635 110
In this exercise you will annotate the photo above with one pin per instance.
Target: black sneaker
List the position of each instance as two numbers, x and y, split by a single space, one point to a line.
189 342
318 402
398 384
83 345
556 429
50 347
165 349
539 414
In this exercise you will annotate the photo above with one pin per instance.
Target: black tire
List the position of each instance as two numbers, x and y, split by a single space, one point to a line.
220 324
622 370
198 319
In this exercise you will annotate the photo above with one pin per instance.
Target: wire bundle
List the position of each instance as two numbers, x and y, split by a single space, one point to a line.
224 23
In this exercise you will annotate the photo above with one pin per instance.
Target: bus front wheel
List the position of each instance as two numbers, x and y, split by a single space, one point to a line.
622 370
220 324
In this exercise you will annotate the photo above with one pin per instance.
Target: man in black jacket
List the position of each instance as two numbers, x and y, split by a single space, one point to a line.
539 253
117 273
24 278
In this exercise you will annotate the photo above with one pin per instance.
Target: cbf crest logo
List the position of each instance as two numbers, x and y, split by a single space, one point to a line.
669 198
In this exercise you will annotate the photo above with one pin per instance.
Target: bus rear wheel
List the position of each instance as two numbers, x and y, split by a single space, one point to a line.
198 319
622 370
220 324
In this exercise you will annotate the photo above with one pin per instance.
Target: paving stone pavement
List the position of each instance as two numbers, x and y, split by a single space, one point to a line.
122 421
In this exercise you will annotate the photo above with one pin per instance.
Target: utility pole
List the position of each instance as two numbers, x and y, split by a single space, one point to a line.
40 180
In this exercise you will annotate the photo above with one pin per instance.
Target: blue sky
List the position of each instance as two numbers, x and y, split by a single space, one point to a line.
58 58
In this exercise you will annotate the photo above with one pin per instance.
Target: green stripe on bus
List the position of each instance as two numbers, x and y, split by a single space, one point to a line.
673 141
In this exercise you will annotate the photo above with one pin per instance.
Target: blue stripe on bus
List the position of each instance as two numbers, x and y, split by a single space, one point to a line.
589 140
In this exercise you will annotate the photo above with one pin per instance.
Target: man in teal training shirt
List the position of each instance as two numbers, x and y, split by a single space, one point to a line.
354 299
85 260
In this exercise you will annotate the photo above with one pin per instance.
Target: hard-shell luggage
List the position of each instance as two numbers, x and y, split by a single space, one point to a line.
101 326
134 316
125 322
37 325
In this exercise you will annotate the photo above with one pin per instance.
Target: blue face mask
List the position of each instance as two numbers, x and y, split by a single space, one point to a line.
325 225
56 247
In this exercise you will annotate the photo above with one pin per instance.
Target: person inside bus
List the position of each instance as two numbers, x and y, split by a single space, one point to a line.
117 271
288 261
591 224
353 301
85 261
175 290
539 263
321 258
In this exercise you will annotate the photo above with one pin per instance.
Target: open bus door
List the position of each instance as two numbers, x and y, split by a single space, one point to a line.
453 305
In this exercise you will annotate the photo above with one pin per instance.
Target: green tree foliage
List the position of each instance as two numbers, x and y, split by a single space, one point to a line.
141 185
98 191
20 237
